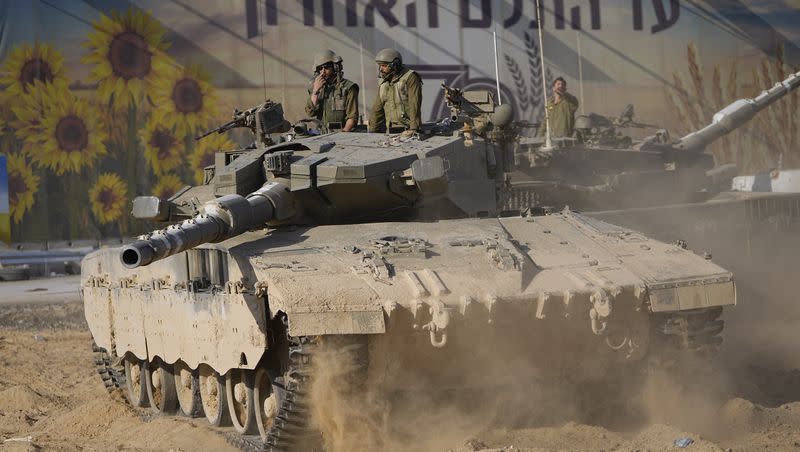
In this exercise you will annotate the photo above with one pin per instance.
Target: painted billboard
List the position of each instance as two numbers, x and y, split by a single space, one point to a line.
101 99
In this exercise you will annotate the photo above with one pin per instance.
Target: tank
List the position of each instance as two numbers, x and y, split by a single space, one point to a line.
602 167
396 250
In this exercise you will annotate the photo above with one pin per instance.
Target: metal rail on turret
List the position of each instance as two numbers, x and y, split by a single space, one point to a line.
220 219
735 115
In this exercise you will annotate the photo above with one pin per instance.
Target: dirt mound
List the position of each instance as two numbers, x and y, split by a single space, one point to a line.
19 398
50 392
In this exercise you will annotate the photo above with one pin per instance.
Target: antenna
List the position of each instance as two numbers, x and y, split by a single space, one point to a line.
363 80
496 68
580 70
263 63
547 143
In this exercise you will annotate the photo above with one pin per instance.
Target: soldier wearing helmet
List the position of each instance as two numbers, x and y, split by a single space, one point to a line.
399 95
332 99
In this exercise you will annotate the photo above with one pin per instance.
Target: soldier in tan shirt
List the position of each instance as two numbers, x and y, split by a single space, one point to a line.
332 99
561 110
399 95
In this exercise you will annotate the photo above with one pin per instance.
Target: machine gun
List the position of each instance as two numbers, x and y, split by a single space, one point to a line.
478 111
262 120
240 119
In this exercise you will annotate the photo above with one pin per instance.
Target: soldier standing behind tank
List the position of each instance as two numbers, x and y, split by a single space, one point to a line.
332 99
399 98
561 110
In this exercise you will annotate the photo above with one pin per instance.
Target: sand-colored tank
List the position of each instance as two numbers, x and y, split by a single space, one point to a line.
602 167
394 247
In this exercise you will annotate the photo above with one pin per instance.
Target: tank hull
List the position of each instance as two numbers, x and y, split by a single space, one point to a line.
545 274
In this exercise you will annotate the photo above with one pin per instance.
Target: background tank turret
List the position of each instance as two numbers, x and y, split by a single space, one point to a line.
393 251
602 167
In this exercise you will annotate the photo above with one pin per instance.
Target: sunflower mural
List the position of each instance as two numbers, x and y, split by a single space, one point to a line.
203 154
27 64
70 136
167 185
108 198
114 123
123 127
22 186
163 148
125 50
184 98
29 111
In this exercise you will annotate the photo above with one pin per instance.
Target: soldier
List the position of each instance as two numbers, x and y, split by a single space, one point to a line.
332 99
561 109
399 95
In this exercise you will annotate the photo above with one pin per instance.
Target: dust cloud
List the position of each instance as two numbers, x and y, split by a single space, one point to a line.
747 395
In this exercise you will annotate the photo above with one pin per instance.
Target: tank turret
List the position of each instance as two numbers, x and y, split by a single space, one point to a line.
328 179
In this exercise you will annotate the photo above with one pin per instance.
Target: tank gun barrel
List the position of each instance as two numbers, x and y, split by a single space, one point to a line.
736 114
220 219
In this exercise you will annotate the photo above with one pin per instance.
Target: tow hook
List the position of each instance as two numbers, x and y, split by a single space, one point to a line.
601 309
437 327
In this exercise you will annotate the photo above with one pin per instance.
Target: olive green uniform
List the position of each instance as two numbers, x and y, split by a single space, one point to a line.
562 116
336 103
398 103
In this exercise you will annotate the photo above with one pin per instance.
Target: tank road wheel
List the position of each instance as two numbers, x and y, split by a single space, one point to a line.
160 384
241 404
187 388
134 381
212 395
267 403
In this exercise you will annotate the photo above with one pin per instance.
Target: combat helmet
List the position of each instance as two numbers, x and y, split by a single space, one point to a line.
391 57
325 57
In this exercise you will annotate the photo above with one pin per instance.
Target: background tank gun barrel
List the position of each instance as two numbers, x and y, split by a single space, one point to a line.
220 219
736 114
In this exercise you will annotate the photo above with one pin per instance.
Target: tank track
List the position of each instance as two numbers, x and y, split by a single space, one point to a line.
291 428
113 377
291 422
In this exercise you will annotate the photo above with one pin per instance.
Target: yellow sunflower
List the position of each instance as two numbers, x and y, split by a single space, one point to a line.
108 197
29 111
203 154
184 98
163 149
22 185
70 135
167 185
125 51
26 64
